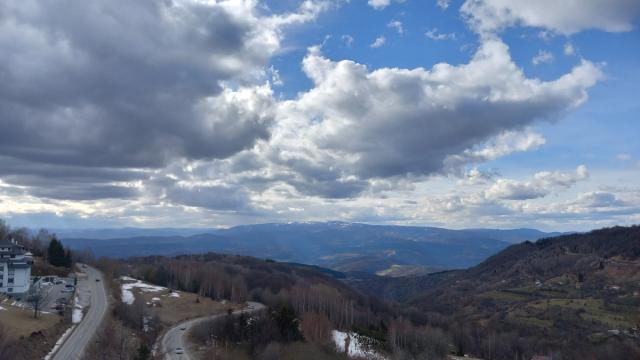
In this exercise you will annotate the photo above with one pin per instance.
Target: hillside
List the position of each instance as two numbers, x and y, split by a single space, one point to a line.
345 247
578 290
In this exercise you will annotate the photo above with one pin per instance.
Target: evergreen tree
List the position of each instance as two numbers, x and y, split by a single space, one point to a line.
67 258
143 353
57 255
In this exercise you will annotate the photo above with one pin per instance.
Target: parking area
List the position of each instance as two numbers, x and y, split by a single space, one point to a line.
57 292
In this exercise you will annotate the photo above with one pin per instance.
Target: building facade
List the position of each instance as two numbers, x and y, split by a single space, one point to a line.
15 268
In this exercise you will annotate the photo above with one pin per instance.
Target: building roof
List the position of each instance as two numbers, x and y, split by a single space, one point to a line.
14 248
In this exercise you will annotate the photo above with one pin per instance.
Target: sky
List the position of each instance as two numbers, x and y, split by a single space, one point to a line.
214 113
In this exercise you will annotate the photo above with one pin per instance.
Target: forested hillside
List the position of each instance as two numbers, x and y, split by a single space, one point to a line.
577 296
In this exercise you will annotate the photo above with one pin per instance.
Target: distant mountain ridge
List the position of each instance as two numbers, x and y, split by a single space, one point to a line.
340 246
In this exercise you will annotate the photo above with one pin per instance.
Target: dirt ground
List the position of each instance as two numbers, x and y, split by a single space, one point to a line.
20 322
175 309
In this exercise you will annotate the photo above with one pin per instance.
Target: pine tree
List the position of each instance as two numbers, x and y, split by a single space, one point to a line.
57 255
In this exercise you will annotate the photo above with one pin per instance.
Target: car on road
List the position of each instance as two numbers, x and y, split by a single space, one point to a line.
97 280
183 327
179 351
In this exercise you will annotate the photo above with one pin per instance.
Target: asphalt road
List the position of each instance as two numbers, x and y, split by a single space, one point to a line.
175 338
75 345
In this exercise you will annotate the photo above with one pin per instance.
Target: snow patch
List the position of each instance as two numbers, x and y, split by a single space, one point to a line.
127 295
356 348
76 315
1 308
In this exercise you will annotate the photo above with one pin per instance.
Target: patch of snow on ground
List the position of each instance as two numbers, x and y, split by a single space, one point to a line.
174 294
127 294
1 308
76 316
356 349
59 342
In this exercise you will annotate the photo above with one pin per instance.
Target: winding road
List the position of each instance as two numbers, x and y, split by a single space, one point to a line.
175 337
75 345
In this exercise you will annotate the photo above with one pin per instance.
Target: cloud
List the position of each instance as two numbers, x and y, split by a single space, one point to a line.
379 42
569 49
443 4
105 89
397 25
565 17
397 122
347 40
501 145
542 57
542 184
433 34
379 4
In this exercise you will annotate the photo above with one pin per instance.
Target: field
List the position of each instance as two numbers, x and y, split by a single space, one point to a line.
20 322
172 307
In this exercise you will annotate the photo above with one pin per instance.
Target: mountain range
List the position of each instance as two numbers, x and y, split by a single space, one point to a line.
347 247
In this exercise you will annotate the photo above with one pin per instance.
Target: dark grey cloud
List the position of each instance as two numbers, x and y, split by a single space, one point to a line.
128 84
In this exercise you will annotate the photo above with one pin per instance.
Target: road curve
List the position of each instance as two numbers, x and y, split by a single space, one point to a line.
74 347
176 338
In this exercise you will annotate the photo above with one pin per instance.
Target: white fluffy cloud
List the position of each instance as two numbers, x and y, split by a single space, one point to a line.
361 124
542 57
565 17
168 117
397 26
378 42
542 184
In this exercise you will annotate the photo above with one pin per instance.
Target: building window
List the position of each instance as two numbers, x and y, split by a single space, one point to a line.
10 281
10 290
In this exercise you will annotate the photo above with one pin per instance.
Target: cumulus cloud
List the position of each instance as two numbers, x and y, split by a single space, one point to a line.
120 86
542 184
501 145
390 122
542 57
569 49
397 25
565 17
379 4
378 42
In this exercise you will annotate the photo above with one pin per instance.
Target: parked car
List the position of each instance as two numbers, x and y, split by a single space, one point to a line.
179 351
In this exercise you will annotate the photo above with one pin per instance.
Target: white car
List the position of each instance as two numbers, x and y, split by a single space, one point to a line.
179 351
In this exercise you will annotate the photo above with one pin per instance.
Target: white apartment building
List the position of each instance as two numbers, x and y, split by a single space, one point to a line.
15 268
